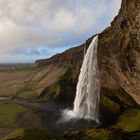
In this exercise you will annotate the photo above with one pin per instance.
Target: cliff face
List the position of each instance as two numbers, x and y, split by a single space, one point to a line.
119 51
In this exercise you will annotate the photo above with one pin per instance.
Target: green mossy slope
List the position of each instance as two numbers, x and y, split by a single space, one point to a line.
29 134
64 89
9 112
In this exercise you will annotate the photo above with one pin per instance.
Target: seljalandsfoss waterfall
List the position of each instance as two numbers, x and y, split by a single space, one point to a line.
86 104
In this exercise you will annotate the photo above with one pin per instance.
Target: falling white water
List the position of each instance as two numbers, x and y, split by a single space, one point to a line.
86 104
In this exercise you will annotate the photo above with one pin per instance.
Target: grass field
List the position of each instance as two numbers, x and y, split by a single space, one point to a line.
29 134
14 116
9 112
14 78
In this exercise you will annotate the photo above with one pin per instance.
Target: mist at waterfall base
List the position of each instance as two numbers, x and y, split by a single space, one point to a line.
86 104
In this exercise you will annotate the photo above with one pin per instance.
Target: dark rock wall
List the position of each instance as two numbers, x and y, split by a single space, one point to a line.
119 51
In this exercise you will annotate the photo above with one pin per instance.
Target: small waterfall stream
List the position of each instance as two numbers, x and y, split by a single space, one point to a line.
86 104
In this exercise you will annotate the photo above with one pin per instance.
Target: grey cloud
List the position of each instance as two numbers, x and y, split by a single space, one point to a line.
55 23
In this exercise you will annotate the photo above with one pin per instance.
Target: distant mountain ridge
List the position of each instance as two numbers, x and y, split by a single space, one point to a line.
72 57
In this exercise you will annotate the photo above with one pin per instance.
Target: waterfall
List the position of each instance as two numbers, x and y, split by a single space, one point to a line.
86 104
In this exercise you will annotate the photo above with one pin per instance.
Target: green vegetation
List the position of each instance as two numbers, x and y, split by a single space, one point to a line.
127 127
9 112
15 116
27 88
94 134
129 121
64 89
50 91
89 134
27 91
113 104
110 105
102 134
29 134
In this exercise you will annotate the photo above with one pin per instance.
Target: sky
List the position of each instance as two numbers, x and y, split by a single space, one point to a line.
35 29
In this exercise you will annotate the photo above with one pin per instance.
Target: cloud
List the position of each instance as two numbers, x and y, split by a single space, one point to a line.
28 25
